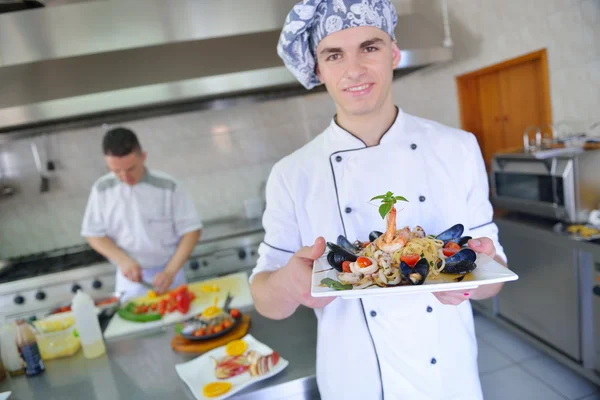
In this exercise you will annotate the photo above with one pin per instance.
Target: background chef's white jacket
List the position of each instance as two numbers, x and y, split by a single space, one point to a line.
392 347
146 220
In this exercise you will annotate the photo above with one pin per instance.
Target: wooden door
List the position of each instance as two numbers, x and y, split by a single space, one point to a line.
498 103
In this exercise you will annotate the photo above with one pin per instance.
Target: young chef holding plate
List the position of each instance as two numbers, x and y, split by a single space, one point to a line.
417 346
140 219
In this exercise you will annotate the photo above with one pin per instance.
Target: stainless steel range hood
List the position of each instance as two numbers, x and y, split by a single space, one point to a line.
85 58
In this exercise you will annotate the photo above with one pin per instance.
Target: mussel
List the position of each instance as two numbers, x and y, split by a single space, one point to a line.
345 243
461 262
374 235
337 255
417 274
454 232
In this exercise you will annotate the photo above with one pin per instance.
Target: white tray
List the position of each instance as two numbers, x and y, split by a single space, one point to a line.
488 271
201 371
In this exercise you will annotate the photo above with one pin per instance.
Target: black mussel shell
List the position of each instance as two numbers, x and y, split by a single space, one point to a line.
374 235
345 243
461 262
453 232
461 241
421 267
337 255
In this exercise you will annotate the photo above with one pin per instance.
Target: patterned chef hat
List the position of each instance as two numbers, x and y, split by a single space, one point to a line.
312 20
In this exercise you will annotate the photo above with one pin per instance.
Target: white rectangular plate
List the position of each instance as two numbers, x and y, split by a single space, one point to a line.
201 370
488 271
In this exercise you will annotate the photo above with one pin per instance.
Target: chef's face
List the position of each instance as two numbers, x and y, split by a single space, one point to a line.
356 65
129 169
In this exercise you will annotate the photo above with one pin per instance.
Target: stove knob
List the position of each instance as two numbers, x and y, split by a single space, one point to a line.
75 288
97 284
205 263
40 295
597 290
19 299
242 254
194 265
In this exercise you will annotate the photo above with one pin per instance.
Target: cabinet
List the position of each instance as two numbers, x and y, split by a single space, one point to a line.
544 300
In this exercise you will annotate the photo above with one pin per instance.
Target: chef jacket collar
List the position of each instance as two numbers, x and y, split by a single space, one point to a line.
338 139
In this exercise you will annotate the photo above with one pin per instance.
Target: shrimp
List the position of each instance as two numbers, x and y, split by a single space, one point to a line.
393 240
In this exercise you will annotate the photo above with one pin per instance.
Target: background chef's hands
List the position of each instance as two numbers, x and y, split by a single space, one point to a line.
455 297
131 269
297 275
162 281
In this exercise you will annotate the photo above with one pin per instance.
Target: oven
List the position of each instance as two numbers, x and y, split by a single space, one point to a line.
564 187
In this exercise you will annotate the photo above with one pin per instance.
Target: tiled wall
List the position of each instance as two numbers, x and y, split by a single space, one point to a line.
486 32
223 156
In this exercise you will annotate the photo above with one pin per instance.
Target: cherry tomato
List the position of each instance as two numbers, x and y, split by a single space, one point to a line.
153 306
452 245
217 329
346 266
410 259
449 252
234 312
363 262
365 244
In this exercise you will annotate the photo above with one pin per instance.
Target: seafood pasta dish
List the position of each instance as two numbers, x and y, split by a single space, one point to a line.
399 256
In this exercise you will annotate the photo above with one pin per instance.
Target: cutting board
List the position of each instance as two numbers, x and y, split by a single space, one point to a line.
236 284
183 345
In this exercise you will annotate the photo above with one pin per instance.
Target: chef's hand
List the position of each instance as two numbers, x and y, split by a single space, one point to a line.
162 282
297 276
132 270
455 297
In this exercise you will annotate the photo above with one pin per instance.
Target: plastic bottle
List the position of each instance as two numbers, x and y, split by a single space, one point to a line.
30 353
11 358
88 327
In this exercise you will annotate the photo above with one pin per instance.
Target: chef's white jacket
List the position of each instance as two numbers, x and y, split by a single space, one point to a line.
146 220
392 347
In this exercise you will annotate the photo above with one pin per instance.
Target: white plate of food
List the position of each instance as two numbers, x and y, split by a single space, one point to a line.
224 371
403 261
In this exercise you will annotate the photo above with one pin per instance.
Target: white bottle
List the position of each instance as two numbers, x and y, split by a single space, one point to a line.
88 327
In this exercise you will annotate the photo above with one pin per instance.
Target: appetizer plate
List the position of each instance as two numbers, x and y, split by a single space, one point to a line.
200 372
488 272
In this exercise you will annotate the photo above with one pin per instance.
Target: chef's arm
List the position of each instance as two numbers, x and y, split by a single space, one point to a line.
184 249
105 246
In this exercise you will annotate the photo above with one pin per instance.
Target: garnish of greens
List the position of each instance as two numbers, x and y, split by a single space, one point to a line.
387 202
333 284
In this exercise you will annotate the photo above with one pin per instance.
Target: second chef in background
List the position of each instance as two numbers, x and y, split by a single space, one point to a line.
141 220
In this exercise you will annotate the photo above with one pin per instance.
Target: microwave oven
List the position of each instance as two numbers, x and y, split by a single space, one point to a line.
564 187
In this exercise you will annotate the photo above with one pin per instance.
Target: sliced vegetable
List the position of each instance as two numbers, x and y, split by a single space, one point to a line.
335 284
450 249
410 259
127 313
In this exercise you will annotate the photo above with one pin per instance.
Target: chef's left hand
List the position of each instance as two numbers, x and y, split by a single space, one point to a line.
162 281
455 297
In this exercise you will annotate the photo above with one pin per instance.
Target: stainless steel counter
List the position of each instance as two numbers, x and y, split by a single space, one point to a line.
143 367
553 304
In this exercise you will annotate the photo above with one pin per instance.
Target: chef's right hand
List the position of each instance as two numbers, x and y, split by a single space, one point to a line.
132 270
298 275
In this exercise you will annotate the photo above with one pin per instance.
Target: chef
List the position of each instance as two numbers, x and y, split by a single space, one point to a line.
142 220
417 346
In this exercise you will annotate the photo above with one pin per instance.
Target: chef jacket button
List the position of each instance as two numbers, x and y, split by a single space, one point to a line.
373 313
413 146
429 309
348 210
421 198
433 360
338 158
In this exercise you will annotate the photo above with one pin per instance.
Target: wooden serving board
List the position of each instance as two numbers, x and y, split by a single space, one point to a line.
183 345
